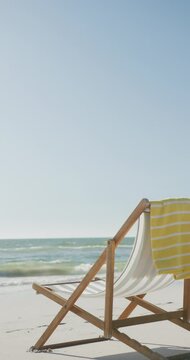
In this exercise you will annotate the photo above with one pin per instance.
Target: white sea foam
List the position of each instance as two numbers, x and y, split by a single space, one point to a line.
83 267
24 281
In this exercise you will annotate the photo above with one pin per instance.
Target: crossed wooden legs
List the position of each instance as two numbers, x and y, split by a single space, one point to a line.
123 320
107 254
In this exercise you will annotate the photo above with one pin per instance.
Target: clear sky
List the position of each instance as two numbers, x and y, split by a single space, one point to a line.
94 112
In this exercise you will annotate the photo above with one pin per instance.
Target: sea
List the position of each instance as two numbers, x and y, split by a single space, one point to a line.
23 261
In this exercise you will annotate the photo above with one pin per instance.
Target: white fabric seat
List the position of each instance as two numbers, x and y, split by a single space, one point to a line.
138 277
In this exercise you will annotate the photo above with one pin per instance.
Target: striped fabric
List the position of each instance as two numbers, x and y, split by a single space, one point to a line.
170 236
138 277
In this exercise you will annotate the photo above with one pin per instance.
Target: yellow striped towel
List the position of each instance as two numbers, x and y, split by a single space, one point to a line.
170 236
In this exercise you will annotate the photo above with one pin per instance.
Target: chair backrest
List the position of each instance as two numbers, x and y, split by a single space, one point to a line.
139 276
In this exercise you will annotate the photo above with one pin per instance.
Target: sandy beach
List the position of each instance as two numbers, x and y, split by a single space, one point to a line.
24 316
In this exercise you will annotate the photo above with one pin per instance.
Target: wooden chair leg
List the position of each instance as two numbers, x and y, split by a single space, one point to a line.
109 289
129 309
186 300
134 344
157 310
71 301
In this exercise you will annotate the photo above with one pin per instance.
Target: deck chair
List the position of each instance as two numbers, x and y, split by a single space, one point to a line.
137 279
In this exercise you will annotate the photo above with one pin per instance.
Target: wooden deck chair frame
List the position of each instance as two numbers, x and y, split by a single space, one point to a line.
108 325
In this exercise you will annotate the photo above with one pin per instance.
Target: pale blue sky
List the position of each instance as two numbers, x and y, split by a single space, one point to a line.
94 112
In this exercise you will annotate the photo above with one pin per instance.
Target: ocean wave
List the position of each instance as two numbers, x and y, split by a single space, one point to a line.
82 267
91 247
51 248
24 269
19 281
81 247
22 259
42 268
57 261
